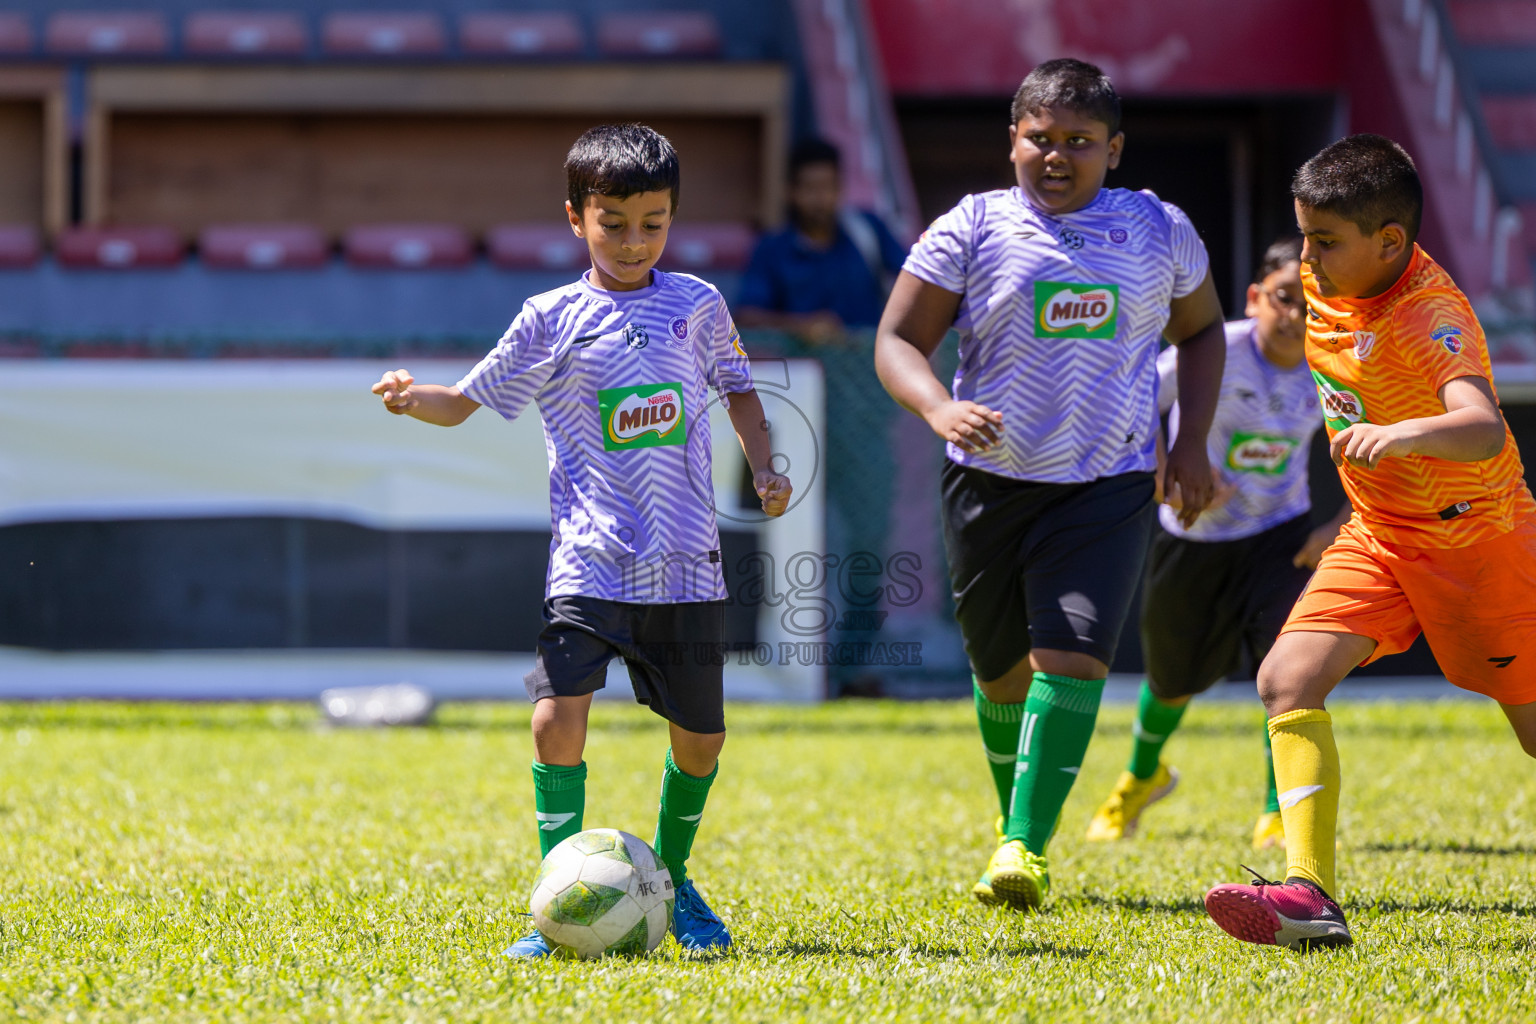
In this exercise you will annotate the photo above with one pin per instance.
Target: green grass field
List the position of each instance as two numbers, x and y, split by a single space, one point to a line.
244 863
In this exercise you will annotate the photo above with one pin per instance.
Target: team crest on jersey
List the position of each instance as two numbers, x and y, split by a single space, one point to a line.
1076 310
635 336
1364 342
677 332
643 416
1119 236
1448 336
1342 404
1260 453
735 340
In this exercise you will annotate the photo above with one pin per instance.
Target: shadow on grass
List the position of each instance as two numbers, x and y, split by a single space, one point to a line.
1462 907
1442 846
1141 904
925 950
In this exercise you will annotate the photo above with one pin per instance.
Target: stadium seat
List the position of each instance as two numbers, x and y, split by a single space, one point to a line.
262 246
15 33
692 247
1511 121
1495 22
119 248
535 247
659 34
245 33
539 34
1528 217
20 246
379 34
119 33
409 246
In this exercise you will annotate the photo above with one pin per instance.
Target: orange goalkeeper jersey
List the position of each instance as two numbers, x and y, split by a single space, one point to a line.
1383 360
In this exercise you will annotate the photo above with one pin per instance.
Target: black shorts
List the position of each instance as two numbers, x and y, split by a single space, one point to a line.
1042 565
1207 603
674 653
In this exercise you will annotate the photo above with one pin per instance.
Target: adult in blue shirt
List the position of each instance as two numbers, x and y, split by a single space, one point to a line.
825 273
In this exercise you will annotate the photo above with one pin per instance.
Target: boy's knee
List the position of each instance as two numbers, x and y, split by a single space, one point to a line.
1278 684
696 752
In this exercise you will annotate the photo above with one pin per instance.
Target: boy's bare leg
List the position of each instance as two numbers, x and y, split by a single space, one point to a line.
560 729
1523 718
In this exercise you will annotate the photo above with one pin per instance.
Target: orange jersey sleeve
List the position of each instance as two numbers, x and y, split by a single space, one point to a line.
1384 360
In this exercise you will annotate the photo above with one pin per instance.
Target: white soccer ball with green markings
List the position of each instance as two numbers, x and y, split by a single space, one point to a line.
601 892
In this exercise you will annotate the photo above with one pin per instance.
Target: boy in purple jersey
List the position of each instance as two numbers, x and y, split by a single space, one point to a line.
619 363
1060 290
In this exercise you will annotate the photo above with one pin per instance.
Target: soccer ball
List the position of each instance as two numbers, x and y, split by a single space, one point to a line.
600 892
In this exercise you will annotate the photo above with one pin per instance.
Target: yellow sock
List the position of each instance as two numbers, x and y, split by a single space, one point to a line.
1307 777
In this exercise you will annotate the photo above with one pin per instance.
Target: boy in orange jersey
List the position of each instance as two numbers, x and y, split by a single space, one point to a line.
1443 537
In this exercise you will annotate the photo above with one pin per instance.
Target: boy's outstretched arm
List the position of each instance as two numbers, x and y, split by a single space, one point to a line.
751 424
1194 325
1470 430
431 403
916 318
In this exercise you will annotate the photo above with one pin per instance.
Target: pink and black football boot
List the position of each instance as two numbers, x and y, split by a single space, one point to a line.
1295 913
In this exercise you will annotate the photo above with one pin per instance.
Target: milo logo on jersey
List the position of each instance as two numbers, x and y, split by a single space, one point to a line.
643 416
1076 310
1259 453
1342 404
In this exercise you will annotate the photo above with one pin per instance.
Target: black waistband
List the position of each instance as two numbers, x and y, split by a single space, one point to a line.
1455 510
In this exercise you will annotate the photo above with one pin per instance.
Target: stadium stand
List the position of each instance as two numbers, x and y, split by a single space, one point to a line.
119 248
408 246
537 246
108 33
700 248
21 246
15 33
369 34
540 34
659 34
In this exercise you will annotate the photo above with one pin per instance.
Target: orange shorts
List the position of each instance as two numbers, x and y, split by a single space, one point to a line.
1476 605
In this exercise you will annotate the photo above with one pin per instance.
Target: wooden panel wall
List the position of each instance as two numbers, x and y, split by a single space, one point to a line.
21 162
337 170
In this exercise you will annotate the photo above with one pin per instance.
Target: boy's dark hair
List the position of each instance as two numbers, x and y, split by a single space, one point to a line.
621 160
813 151
1280 252
1366 179
1073 84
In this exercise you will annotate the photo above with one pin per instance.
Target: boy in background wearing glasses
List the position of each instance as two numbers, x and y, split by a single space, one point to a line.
1226 584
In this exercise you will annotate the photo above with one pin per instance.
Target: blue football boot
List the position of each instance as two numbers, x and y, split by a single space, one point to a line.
694 924
530 947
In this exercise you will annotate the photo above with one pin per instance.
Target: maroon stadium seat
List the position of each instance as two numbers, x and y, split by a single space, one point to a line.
130 33
659 34
1528 215
376 34
262 246
411 246
536 247
245 33
119 248
20 246
1511 121
15 33
692 247
1495 22
545 33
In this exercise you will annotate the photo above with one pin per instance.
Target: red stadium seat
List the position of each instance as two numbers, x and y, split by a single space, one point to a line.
1528 216
1511 121
262 246
692 247
126 33
15 33
245 33
535 247
526 35
409 246
119 248
1495 22
659 34
20 246
381 34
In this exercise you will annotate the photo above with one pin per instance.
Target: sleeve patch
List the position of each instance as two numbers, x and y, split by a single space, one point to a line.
1449 337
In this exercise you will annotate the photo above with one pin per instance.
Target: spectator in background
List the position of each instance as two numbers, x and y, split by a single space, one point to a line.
826 272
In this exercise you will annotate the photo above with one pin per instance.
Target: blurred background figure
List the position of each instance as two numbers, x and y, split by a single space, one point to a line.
826 272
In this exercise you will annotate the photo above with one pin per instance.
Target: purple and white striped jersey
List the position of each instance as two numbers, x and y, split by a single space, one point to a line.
1059 321
1259 439
619 379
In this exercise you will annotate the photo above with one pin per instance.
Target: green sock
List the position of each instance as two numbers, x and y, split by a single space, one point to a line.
1271 794
559 798
677 822
1058 723
1000 736
1155 722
